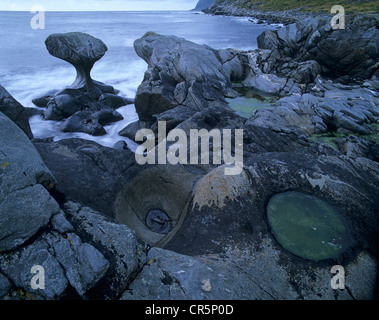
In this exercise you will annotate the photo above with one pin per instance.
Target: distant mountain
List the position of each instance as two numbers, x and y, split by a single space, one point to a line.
204 4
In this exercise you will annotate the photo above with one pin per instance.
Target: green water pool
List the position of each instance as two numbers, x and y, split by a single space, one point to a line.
307 226
250 101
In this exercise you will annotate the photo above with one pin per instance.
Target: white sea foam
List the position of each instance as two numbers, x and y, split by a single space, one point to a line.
28 71
48 128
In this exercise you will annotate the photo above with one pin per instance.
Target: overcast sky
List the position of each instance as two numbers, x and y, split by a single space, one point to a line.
97 5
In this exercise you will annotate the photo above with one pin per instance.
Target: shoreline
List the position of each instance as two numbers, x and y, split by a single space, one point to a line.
274 17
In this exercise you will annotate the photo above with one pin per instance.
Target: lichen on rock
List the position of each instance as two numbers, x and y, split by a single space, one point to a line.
216 187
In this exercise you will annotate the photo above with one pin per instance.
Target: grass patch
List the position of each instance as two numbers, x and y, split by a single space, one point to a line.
368 6
331 138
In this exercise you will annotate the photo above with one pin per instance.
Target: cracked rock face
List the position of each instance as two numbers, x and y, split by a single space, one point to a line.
25 203
180 72
14 111
352 51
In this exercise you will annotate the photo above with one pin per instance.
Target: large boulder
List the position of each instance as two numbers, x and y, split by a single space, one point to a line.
15 111
88 172
179 72
25 203
224 210
111 181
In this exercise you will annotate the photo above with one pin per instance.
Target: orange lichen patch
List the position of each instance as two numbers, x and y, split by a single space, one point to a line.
216 187
5 164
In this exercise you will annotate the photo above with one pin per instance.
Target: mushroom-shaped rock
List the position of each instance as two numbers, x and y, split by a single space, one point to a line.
80 49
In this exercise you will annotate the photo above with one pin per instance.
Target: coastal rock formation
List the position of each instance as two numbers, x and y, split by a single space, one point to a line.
87 105
341 109
15 111
227 210
77 165
25 203
204 4
350 52
180 82
78 247
81 50
242 273
180 73
104 227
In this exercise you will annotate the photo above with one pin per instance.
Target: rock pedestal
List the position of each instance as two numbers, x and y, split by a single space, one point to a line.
81 50
87 105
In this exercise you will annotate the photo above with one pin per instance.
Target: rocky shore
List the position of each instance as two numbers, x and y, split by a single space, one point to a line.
105 227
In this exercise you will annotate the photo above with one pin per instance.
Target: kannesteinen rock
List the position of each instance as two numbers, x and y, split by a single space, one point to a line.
80 49
87 105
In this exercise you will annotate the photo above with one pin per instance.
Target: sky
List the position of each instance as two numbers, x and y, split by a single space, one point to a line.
97 5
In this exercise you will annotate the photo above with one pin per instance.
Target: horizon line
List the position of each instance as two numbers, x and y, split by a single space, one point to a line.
135 10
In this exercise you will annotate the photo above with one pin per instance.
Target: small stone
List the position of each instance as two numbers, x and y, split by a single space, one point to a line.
60 223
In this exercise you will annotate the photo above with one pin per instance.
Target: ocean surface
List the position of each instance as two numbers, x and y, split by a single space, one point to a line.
27 70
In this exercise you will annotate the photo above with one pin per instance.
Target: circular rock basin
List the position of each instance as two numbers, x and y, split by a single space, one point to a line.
307 226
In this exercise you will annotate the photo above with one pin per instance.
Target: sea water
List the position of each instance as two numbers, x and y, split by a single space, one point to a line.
27 70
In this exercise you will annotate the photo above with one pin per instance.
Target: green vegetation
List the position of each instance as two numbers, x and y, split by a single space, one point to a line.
250 101
368 6
331 138
307 226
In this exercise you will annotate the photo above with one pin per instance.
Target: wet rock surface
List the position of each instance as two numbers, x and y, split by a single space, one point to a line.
25 202
15 111
104 227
